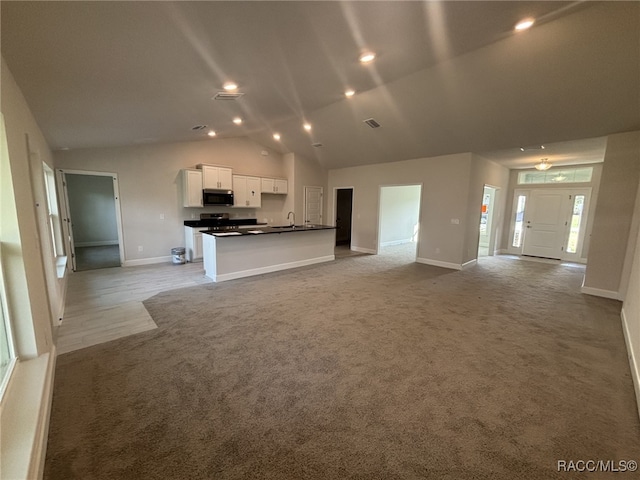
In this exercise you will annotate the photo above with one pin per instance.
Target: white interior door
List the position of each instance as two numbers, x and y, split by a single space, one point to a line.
546 223
313 205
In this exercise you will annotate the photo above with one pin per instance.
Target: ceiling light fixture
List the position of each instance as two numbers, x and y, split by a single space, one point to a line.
349 93
524 24
211 133
237 120
543 165
367 57
307 127
276 136
230 86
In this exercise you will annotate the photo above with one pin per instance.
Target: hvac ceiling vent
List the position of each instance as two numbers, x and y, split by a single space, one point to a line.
198 127
317 145
372 123
227 95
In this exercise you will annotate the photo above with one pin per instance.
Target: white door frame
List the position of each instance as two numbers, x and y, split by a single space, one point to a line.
68 230
304 209
493 215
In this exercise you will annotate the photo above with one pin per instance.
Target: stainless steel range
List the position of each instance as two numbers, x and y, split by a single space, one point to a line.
219 222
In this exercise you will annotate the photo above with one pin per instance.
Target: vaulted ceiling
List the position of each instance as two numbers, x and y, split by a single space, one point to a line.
449 77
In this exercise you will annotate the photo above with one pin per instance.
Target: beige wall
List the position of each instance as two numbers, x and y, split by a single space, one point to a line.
445 182
26 271
631 305
613 213
484 172
150 184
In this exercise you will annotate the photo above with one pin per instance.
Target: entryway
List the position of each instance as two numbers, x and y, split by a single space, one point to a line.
92 219
486 240
549 223
399 219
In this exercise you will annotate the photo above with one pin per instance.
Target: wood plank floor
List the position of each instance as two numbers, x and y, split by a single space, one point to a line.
106 304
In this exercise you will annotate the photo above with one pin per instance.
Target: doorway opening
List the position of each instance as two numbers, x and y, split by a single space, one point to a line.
486 240
399 220
93 223
344 214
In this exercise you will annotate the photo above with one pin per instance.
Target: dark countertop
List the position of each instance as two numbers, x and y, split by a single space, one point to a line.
216 222
261 230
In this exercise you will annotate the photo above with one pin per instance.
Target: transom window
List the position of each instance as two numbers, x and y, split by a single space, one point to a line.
557 175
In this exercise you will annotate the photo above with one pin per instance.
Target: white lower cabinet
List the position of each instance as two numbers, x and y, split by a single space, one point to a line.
193 243
246 191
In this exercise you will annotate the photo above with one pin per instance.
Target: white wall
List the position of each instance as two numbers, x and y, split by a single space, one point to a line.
92 209
399 213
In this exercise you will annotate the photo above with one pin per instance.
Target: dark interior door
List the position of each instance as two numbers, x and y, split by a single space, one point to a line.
343 216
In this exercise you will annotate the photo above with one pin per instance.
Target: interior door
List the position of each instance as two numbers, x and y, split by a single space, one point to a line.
546 223
313 205
69 225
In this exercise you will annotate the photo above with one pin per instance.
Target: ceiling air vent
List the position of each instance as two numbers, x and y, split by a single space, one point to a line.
371 122
227 95
198 127
317 145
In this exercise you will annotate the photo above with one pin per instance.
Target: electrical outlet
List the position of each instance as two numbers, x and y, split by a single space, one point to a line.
140 248
455 221
193 215
162 216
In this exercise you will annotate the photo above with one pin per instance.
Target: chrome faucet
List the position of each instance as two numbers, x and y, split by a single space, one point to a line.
291 224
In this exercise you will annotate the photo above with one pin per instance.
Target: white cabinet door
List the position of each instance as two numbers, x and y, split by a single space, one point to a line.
225 178
191 188
280 186
216 177
197 246
268 185
253 192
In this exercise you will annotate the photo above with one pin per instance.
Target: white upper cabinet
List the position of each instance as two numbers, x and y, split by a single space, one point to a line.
216 177
246 191
191 188
274 185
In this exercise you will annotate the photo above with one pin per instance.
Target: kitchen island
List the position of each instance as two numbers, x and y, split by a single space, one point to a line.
254 251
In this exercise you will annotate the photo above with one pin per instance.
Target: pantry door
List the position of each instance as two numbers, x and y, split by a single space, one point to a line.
546 222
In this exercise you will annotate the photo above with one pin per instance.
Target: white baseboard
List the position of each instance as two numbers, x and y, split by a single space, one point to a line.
470 263
147 261
25 417
103 243
601 293
634 361
395 242
438 263
363 250
271 268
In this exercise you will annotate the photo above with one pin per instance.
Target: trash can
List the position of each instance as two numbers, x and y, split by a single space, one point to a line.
178 255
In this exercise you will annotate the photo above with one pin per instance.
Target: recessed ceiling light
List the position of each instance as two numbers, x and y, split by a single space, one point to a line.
211 133
276 136
367 57
237 120
307 127
349 93
230 86
524 24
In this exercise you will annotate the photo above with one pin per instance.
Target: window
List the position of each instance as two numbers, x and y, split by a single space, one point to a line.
519 223
7 352
52 211
567 175
576 220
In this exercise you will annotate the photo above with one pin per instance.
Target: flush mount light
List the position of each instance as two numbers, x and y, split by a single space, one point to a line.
349 93
367 57
307 127
543 165
237 120
524 24
276 136
230 86
211 133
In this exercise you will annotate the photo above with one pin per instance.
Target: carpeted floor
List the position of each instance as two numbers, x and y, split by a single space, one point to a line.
363 368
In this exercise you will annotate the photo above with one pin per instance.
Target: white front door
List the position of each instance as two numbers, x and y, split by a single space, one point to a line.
546 221
313 205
